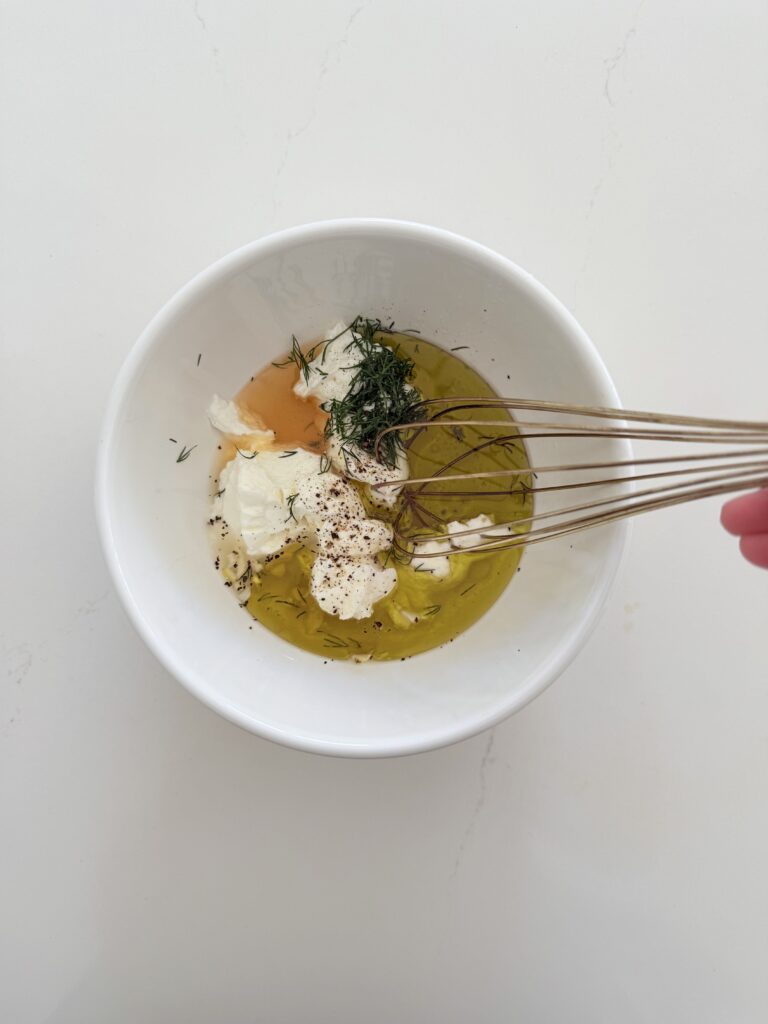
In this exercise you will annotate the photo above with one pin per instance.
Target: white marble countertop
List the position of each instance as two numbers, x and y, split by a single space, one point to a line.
600 857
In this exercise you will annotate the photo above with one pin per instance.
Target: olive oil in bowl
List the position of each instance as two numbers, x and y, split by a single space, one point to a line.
423 611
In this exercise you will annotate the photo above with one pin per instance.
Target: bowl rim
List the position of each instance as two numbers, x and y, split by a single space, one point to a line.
545 674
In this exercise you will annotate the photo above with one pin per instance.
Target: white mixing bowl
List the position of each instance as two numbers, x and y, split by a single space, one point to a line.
211 337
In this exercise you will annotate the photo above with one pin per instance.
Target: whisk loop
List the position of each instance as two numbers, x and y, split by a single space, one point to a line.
681 477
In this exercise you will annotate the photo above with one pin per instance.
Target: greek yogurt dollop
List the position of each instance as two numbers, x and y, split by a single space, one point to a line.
270 499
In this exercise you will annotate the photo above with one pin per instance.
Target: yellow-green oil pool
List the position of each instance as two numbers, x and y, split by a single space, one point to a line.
442 608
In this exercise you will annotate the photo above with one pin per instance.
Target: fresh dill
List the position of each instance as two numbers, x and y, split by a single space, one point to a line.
379 394
510 448
290 501
400 557
297 357
433 609
471 587
331 640
325 464
458 348
287 455
185 453
247 455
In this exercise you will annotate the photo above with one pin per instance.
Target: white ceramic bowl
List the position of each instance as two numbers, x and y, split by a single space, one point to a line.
236 316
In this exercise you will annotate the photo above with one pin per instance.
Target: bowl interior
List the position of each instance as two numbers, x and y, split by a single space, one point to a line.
229 322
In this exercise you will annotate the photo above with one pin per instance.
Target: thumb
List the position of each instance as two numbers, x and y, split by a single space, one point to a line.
754 547
747 518
747 514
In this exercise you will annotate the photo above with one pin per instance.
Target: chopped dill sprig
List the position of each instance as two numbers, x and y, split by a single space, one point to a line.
185 453
379 394
325 464
287 455
246 455
395 555
467 590
331 640
290 501
302 359
433 609
297 357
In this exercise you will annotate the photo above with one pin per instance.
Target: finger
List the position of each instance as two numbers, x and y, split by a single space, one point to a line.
748 514
755 549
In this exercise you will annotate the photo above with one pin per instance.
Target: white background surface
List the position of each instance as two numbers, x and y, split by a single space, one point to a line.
601 856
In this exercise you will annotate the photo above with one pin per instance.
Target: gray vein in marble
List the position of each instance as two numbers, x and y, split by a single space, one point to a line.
611 140
92 606
479 804
593 197
19 661
330 59
204 26
621 52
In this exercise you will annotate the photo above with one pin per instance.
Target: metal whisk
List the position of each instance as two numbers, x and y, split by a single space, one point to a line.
684 476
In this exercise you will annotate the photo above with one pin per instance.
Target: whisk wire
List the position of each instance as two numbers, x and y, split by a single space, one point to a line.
696 475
